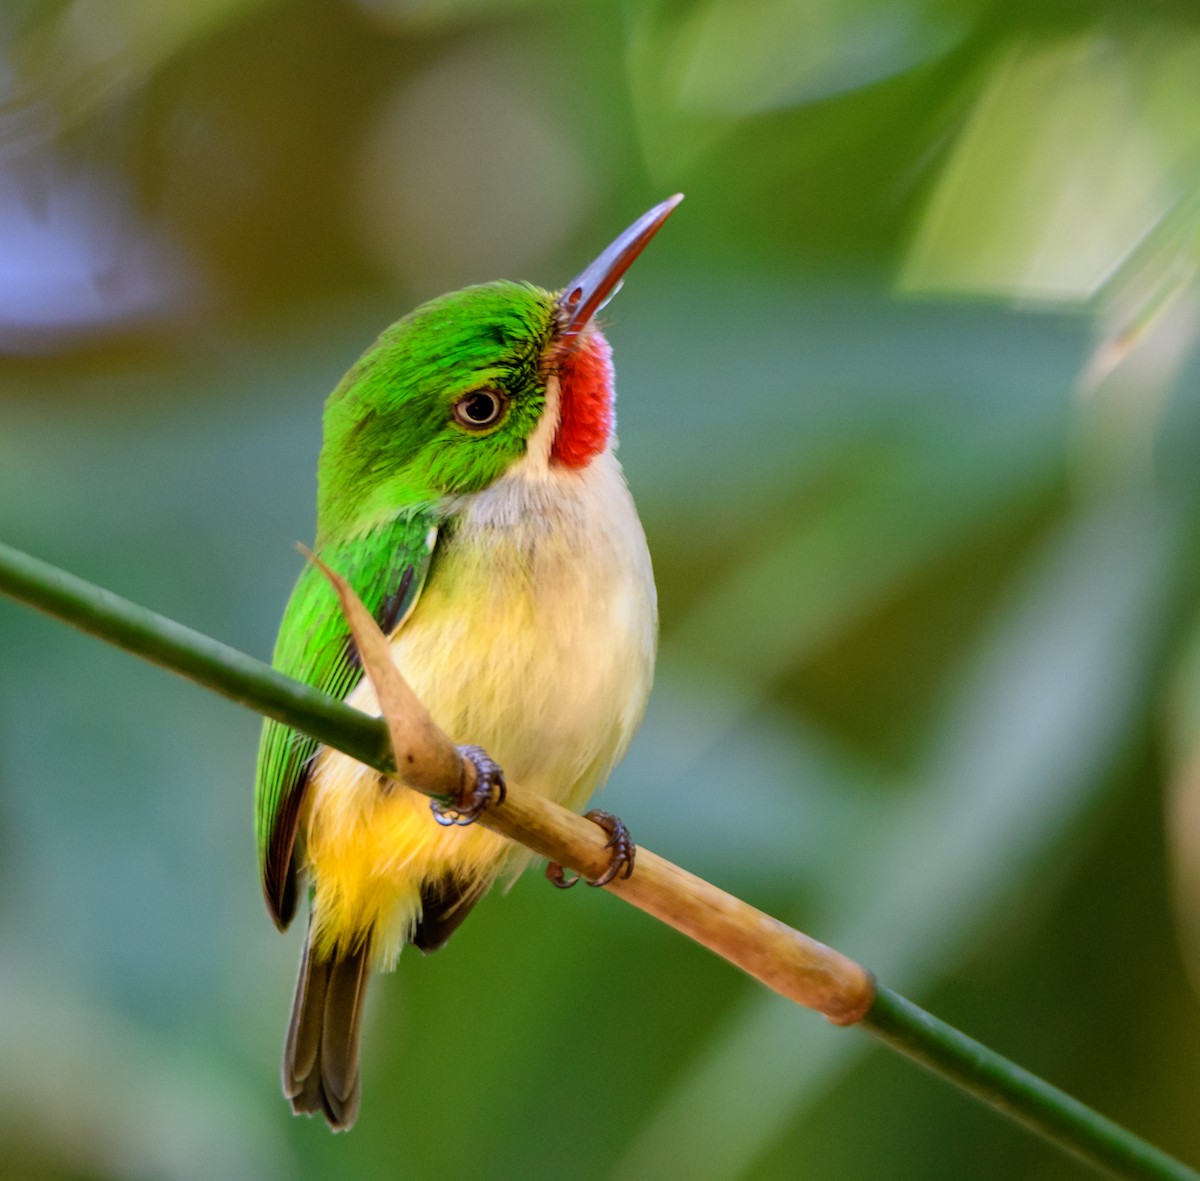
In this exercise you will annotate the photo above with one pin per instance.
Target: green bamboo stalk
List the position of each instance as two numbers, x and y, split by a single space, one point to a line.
896 1022
1016 1092
193 655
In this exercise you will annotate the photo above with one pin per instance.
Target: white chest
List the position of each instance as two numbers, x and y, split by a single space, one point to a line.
534 636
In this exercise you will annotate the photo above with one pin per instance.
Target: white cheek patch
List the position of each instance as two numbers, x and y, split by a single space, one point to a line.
535 463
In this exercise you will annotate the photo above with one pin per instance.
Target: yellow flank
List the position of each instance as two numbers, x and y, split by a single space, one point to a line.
533 638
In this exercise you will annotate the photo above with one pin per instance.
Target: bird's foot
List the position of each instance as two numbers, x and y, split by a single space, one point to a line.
489 789
620 864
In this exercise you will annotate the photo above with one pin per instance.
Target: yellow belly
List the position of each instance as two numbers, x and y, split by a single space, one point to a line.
533 638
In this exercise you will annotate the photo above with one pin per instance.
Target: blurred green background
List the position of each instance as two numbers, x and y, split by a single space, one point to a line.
910 402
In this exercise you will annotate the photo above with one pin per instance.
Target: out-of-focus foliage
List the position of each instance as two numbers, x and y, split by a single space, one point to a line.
910 401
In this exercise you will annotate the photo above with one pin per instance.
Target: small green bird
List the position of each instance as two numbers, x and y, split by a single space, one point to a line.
469 492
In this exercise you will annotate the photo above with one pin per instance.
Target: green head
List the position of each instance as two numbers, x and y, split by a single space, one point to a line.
448 399
443 402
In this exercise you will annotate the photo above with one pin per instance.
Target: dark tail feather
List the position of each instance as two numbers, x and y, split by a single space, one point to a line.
320 1057
444 905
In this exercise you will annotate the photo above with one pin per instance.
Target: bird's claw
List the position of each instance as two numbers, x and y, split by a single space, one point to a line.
620 864
489 789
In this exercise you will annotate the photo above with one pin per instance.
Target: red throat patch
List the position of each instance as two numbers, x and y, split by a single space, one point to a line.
585 420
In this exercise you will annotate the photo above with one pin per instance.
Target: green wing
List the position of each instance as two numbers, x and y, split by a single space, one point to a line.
387 569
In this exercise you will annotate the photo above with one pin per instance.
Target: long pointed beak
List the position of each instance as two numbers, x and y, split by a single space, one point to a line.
583 297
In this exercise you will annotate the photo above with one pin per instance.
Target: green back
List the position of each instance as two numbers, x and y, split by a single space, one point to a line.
387 569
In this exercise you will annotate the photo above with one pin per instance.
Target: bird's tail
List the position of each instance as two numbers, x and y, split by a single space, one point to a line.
320 1057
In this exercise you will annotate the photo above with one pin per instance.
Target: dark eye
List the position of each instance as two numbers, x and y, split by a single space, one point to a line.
479 409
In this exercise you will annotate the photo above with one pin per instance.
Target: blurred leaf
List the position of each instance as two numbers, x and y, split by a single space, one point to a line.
1072 155
437 14
671 139
87 55
1140 304
700 68
1131 388
736 57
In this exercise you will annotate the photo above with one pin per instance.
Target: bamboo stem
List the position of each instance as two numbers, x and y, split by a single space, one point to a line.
1015 1092
785 960
193 655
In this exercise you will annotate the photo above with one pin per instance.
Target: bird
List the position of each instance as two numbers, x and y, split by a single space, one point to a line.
469 491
